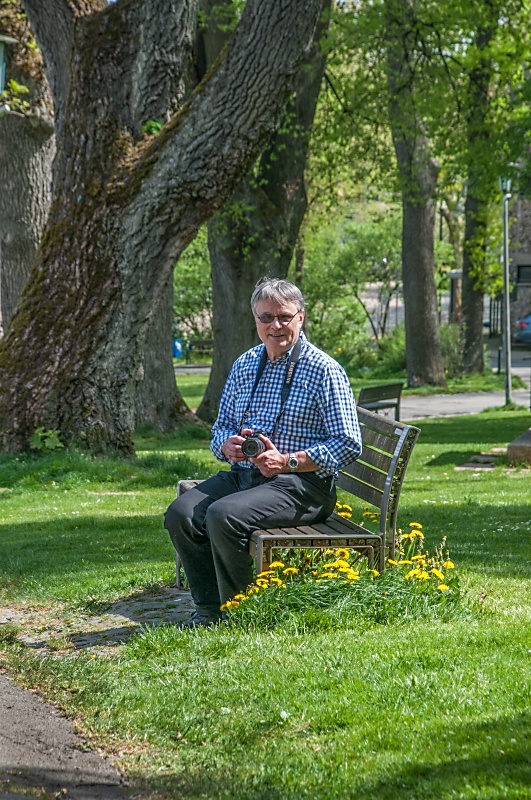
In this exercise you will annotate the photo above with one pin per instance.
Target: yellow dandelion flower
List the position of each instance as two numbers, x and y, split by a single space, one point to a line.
329 552
443 587
352 575
341 564
252 590
342 552
405 561
276 581
448 565
437 573
329 575
412 573
315 573
417 535
418 558
239 597
373 572
265 573
344 514
392 561
290 571
262 584
415 525
367 514
407 536
233 604
225 606
276 564
423 575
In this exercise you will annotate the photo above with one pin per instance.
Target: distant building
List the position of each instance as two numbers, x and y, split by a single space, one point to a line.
520 258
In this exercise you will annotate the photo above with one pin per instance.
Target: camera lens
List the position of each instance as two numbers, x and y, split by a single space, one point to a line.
253 447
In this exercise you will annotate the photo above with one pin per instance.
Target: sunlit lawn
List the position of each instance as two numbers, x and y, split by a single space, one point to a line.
410 710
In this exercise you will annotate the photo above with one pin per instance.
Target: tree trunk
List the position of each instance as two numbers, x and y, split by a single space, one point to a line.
124 209
256 232
478 199
418 176
26 154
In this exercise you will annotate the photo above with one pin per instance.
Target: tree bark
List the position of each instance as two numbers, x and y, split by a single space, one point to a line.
256 232
124 209
26 153
418 176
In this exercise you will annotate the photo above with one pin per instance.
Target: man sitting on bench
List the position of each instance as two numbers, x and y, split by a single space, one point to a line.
287 422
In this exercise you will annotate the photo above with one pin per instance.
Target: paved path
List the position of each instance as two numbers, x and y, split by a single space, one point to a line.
414 407
40 753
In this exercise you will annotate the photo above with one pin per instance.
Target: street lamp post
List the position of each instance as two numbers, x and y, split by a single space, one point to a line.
505 186
4 41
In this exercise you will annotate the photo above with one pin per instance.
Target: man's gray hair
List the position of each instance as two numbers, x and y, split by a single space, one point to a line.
278 290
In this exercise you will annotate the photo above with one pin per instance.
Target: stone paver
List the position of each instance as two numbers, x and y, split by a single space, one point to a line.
111 624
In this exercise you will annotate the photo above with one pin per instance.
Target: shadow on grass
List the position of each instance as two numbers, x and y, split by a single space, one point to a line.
495 760
488 760
67 545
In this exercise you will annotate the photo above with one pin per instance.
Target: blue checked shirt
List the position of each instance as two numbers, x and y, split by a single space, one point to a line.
320 413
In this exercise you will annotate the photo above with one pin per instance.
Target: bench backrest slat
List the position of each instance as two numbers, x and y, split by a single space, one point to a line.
385 391
362 490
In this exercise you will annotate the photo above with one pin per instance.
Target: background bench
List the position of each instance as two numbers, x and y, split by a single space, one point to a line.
376 398
199 347
375 478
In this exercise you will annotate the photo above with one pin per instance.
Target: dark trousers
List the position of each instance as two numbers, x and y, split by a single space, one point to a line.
210 526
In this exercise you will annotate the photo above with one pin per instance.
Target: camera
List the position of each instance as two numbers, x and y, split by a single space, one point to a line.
253 446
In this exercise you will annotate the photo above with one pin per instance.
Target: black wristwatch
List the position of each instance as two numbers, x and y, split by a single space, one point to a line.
293 462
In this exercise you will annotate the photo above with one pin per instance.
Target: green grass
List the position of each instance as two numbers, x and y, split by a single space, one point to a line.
412 710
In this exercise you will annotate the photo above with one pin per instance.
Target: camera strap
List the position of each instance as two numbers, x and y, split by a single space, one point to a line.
295 352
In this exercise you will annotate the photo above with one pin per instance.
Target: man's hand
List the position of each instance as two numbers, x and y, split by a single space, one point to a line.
271 462
232 447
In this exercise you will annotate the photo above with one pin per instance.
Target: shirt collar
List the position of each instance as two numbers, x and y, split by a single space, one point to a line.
287 355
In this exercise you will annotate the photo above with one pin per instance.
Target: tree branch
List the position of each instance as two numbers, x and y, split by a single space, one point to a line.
202 153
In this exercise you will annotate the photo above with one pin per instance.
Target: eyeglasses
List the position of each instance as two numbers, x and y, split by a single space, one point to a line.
284 319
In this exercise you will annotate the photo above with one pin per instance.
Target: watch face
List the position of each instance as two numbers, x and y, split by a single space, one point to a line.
293 463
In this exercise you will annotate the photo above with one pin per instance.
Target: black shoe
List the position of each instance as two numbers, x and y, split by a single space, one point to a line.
199 621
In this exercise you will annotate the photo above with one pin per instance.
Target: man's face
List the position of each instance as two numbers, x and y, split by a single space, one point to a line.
278 337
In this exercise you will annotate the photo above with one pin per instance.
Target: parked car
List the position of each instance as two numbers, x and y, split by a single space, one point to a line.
522 333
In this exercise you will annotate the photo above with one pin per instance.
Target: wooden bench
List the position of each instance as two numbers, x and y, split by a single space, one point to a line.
375 478
199 347
376 398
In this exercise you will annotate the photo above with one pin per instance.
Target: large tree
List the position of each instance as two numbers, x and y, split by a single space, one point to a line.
255 233
124 208
418 181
